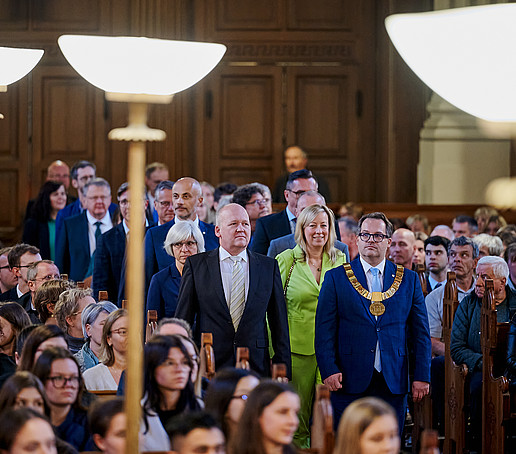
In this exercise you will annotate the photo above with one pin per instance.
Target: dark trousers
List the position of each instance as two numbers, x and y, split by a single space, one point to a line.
377 388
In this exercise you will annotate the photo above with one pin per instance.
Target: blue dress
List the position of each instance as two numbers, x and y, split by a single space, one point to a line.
163 291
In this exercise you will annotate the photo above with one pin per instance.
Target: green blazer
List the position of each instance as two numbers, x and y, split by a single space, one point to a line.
301 298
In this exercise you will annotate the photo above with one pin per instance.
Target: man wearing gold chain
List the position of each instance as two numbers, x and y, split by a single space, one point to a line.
368 314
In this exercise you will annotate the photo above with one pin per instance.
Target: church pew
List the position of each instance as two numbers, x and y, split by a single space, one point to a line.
455 378
279 372
104 394
207 360
152 324
64 277
103 295
420 270
322 435
242 358
429 442
496 400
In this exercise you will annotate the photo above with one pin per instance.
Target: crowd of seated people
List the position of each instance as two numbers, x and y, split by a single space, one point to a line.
59 344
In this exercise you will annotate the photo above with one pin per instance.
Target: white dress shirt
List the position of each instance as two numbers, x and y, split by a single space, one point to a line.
226 271
106 224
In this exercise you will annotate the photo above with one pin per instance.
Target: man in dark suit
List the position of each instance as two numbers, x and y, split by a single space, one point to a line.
186 196
367 313
283 223
8 279
232 292
78 241
20 257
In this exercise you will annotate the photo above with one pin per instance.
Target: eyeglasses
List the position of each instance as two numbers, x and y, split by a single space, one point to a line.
5 267
261 202
240 396
60 382
297 193
48 277
164 204
120 331
123 202
376 237
188 244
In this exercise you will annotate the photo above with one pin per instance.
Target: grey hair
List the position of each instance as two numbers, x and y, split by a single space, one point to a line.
182 231
95 182
464 241
68 303
175 321
498 265
91 312
493 243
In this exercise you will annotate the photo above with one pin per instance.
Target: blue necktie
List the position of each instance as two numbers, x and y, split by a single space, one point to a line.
376 286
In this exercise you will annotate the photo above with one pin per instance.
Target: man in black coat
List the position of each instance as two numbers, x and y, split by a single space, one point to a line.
230 291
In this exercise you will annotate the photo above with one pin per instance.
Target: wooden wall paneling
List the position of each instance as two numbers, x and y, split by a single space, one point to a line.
335 15
249 15
322 118
66 16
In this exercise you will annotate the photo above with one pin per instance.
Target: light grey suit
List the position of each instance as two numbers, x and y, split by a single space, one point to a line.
288 242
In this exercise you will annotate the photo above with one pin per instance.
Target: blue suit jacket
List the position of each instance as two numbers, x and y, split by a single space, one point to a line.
271 227
288 242
156 258
109 256
163 291
346 332
73 248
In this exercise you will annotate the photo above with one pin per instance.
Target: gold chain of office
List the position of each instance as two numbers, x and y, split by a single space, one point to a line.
376 307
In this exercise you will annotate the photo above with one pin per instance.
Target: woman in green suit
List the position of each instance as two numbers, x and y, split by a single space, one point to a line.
302 272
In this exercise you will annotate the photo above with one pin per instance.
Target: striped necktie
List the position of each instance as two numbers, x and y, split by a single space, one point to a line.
237 298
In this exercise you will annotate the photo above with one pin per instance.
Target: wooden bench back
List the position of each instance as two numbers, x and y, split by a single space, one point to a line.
242 358
207 363
322 437
279 372
103 295
420 270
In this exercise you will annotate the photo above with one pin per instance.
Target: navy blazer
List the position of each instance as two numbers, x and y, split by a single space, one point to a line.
271 227
163 291
156 258
201 297
289 242
346 332
109 256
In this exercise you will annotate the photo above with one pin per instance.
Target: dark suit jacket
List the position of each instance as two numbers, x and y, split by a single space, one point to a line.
10 295
201 295
109 256
26 302
346 332
271 227
163 291
156 257
288 242
73 248
36 233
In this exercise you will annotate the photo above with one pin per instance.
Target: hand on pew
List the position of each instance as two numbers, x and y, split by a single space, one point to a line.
334 382
419 390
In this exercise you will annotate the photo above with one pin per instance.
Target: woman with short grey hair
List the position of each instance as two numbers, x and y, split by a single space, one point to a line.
92 320
183 240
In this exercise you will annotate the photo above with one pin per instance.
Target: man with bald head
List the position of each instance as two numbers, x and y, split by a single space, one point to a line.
186 196
232 292
403 247
306 199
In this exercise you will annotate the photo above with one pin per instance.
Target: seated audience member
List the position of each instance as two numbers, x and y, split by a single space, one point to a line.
183 240
19 341
507 236
37 274
93 318
352 210
268 422
25 430
24 389
267 194
19 258
108 425
155 173
163 203
113 354
41 338
436 261
77 242
46 297
464 226
60 374
68 312
8 279
494 224
193 352
253 199
403 247
510 257
488 245
482 215
223 189
196 433
418 223
167 387
207 212
368 425
419 254
348 228
444 231
465 336
40 228
227 395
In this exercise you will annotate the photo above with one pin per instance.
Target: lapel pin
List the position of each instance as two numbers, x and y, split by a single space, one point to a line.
393 275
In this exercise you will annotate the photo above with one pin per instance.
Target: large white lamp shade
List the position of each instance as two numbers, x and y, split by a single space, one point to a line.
466 55
16 63
137 65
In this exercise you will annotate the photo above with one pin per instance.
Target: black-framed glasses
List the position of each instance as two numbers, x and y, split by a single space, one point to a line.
60 382
376 237
297 193
188 244
49 277
164 203
5 267
261 202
